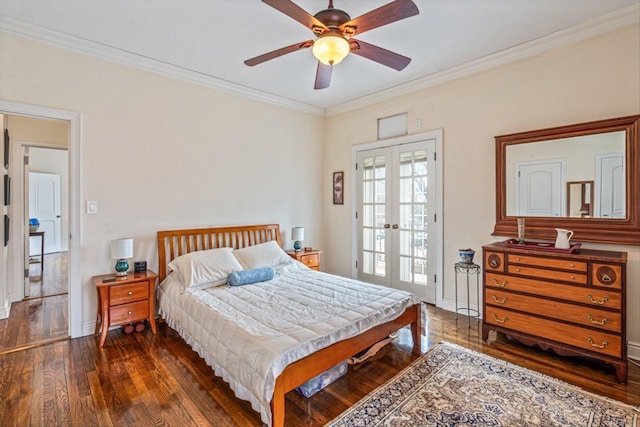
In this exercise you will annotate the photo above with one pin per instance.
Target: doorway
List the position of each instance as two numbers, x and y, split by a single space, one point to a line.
14 283
40 306
398 193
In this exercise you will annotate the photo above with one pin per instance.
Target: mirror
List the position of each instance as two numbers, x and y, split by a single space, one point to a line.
582 177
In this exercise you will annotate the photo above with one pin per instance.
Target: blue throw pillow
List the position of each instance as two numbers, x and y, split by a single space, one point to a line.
247 277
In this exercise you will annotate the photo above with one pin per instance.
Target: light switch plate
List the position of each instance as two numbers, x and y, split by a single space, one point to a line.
92 207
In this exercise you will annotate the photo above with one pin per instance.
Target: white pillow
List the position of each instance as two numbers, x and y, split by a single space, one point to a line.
267 254
205 268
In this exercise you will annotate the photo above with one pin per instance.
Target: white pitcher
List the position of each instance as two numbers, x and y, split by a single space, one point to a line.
562 240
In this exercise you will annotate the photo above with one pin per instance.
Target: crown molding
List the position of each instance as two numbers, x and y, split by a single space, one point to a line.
601 25
108 53
604 24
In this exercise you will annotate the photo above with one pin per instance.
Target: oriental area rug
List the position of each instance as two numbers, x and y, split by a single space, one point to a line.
454 386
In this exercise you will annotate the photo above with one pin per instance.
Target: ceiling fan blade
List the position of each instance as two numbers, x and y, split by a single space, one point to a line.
278 52
378 54
390 12
294 11
323 76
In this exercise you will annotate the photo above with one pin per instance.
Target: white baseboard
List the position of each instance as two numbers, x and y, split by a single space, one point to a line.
633 350
88 328
4 310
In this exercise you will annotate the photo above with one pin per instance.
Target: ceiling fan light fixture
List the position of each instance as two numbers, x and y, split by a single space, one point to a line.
331 48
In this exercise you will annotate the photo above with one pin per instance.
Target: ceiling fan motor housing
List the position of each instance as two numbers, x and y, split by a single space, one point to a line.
332 18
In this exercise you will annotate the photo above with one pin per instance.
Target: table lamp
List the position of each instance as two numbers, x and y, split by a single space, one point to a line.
121 249
297 234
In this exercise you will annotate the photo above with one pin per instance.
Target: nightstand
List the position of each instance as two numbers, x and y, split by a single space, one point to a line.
309 258
125 300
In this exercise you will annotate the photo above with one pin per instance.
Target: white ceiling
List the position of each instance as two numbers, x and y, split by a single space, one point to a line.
208 40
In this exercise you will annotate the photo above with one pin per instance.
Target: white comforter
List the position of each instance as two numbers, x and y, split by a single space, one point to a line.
249 334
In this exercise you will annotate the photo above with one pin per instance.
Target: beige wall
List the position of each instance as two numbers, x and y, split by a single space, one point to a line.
590 80
158 153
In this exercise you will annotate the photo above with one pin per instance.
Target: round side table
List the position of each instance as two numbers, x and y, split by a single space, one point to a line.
468 269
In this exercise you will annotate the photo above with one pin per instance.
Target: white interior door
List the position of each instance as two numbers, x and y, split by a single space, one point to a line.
610 186
395 218
44 204
539 188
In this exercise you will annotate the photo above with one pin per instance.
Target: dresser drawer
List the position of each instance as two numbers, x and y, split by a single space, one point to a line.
596 296
129 312
122 294
588 339
565 276
572 265
573 313
606 275
310 261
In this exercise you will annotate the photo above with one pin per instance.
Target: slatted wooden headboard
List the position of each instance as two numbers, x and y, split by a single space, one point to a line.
173 243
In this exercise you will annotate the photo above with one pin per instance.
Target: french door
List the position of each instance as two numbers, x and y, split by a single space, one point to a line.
396 217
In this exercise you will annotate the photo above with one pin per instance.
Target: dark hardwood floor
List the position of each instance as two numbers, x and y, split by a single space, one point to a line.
43 316
144 379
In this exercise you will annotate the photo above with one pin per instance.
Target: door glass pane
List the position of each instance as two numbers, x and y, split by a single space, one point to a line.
405 190
405 164
380 190
367 168
405 269
420 162
367 191
380 265
380 215
405 216
380 235
367 239
367 262
380 167
405 242
420 189
367 216
420 271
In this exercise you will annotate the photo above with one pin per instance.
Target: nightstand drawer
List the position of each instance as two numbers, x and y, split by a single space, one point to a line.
129 312
310 261
123 294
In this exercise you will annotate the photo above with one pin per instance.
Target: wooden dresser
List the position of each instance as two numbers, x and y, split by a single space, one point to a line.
571 303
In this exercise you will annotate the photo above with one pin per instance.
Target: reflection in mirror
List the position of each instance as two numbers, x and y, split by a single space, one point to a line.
537 174
580 199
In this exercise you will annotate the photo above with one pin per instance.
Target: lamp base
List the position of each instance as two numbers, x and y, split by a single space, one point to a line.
122 266
297 246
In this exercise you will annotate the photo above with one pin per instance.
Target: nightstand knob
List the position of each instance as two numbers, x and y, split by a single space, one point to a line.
129 312
129 293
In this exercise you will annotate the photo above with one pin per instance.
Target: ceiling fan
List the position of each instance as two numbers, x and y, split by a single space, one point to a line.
335 29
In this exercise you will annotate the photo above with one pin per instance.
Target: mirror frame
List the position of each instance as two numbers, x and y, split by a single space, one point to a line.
625 231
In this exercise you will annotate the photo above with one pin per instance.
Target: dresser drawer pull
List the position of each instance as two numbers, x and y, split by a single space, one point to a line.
602 301
502 285
597 322
130 293
572 277
572 265
504 319
493 263
606 278
603 345
129 312
501 301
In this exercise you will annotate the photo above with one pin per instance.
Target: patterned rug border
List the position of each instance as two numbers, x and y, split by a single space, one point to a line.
497 361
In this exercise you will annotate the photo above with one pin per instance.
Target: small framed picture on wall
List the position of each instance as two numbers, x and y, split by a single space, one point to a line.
338 188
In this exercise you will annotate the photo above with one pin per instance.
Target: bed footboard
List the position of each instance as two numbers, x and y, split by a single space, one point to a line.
324 359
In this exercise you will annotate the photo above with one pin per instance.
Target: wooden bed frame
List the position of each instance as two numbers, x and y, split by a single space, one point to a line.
173 243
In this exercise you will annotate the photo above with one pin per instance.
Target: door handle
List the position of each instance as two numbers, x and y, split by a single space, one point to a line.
57 216
394 226
387 225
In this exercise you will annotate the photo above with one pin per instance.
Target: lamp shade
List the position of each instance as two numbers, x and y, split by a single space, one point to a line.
331 48
122 248
297 233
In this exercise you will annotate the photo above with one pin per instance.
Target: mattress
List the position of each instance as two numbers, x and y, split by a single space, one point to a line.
249 334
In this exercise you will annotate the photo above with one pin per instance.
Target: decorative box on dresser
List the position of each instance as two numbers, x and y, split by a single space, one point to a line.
573 303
